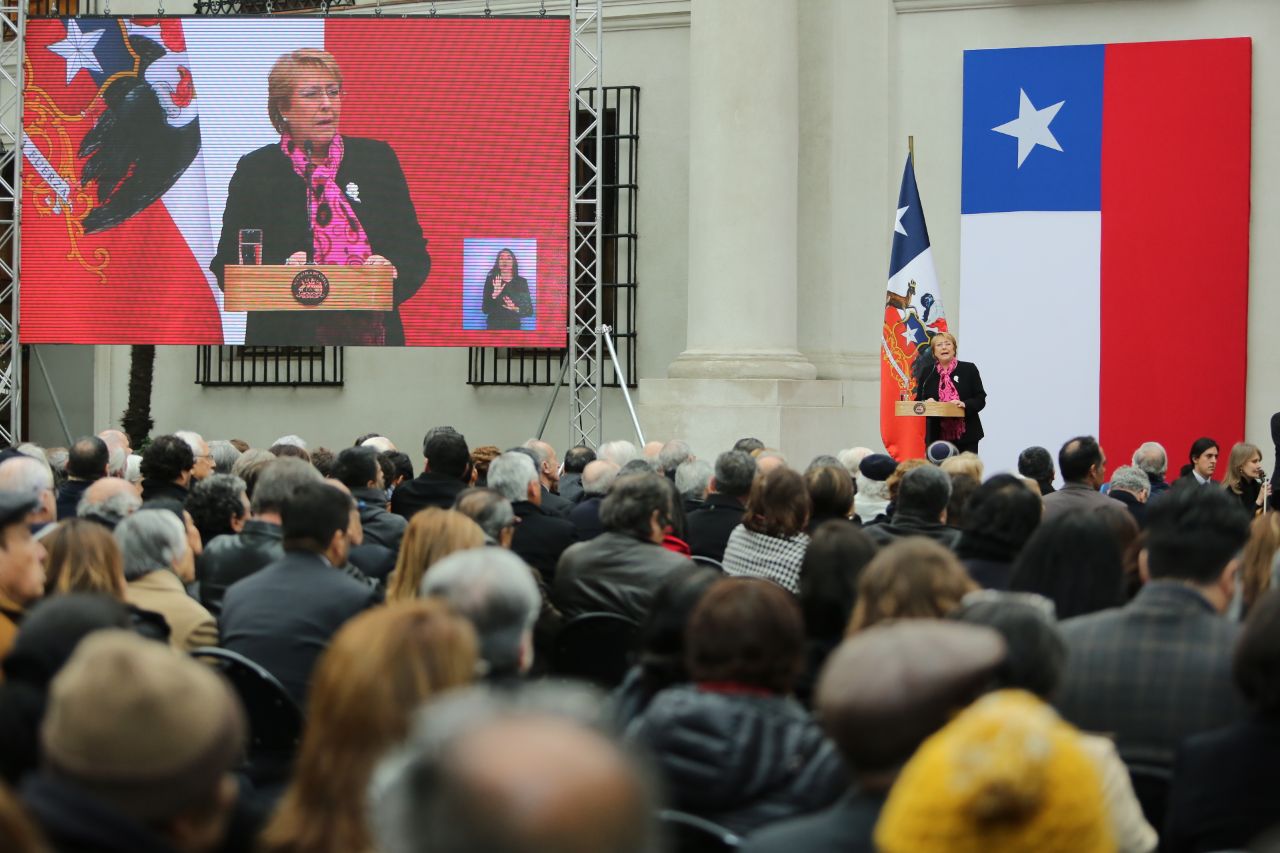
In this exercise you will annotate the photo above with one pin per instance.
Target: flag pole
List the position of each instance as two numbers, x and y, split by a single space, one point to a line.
911 149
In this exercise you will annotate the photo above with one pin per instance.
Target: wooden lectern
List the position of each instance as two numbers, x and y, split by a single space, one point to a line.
915 409
317 287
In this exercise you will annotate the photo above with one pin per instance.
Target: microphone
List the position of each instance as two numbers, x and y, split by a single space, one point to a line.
310 169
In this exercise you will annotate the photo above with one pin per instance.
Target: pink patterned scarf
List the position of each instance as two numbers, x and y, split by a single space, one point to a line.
339 239
952 428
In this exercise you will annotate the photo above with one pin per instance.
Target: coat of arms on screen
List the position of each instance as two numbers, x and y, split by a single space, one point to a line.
110 121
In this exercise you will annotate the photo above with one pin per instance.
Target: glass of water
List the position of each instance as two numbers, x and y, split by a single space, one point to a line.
250 246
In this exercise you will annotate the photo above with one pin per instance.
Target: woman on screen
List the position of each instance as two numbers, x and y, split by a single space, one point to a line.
319 196
506 293
953 381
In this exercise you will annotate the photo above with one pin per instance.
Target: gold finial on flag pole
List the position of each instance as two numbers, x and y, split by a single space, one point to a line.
911 149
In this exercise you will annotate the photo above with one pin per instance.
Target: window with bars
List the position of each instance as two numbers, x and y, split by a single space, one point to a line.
291 367
620 123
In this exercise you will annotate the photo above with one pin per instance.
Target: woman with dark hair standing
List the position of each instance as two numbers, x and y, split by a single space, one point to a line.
1204 461
1074 560
770 542
506 293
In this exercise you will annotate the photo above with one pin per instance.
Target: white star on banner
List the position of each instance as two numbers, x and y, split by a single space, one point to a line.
897 225
77 50
1031 127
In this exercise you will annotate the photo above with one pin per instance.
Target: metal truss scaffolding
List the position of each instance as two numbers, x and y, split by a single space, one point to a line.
13 30
586 86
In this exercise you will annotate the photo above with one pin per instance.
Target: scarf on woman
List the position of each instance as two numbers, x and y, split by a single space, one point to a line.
952 428
338 237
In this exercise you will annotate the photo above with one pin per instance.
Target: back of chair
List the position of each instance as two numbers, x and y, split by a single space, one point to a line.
686 833
275 720
1151 786
595 647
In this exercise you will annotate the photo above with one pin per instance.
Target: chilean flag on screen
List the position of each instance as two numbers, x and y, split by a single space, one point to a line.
1105 243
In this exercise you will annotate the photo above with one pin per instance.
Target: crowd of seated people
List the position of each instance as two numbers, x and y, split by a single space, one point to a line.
206 646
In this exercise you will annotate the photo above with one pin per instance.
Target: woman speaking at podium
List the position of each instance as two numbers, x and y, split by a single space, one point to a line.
318 196
953 381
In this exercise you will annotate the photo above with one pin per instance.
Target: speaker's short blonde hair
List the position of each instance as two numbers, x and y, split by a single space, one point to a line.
284 74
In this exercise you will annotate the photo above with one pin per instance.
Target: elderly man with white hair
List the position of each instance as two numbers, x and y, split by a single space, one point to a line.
118 449
1130 486
618 452
109 501
157 563
33 477
200 449
1154 462
540 538
495 591
597 477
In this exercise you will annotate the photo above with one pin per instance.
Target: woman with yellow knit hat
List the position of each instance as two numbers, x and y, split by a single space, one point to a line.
1007 775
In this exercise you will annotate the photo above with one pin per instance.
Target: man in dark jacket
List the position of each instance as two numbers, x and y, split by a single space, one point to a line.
283 616
882 693
923 496
540 538
446 470
544 459
596 480
1130 486
86 462
1158 670
167 467
708 529
619 570
576 460
227 559
1153 461
357 468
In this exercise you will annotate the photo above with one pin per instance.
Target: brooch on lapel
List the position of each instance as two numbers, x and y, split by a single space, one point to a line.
353 192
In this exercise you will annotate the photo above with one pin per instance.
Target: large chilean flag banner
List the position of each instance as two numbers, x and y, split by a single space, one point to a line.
1105 243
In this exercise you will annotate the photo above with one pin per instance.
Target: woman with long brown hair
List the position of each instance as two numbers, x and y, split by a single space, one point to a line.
378 670
432 535
83 557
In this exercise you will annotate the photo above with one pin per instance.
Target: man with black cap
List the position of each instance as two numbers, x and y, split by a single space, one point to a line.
139 741
21 564
881 694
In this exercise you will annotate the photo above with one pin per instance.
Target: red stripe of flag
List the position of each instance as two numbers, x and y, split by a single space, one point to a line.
1175 245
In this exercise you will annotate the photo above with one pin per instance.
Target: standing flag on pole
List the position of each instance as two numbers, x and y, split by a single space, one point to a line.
912 316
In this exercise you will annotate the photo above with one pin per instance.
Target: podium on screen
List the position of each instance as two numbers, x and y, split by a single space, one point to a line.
921 409
317 287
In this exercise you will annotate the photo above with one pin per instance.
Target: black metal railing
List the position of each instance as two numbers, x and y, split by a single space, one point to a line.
292 367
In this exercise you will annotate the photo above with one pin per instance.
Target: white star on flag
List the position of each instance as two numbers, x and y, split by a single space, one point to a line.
1031 127
897 225
77 50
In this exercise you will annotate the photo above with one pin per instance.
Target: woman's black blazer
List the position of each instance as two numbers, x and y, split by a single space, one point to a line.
968 384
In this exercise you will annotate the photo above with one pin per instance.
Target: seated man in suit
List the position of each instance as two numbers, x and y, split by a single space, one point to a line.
540 538
227 559
544 459
708 529
283 616
585 516
621 569
1158 670
446 470
923 496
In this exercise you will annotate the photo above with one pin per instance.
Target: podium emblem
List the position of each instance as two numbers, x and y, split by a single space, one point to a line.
918 408
310 287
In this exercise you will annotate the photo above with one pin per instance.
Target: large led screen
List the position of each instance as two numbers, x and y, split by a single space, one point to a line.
356 181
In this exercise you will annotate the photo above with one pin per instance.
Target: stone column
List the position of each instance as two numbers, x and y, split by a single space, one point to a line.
743 169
